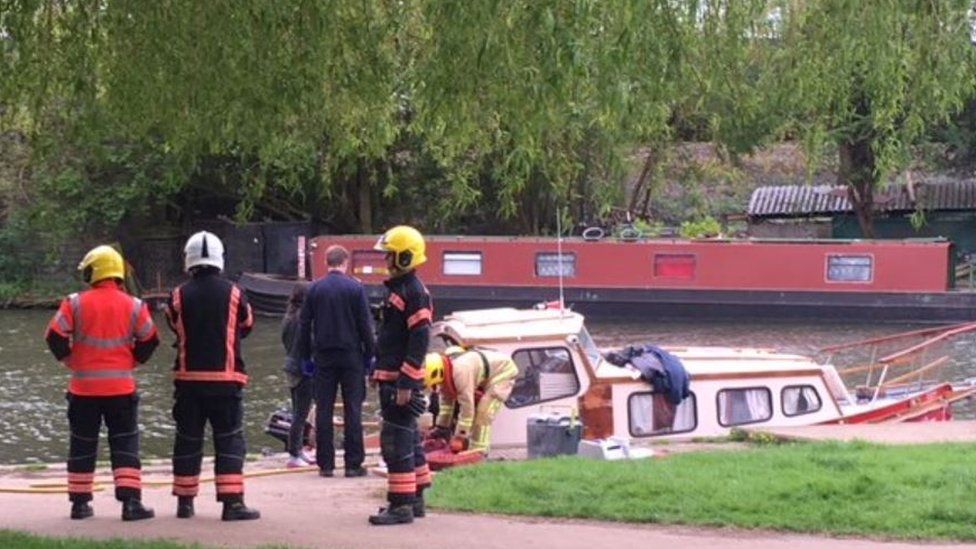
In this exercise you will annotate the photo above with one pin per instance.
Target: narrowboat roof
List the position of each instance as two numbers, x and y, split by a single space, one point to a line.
506 323
700 361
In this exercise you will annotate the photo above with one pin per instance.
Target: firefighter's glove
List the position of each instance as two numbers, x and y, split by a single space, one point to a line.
418 404
459 444
308 368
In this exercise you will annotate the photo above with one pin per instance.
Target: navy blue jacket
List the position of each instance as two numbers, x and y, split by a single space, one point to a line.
661 369
335 317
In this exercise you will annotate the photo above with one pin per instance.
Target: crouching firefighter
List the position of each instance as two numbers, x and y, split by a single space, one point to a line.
101 334
460 376
209 315
400 348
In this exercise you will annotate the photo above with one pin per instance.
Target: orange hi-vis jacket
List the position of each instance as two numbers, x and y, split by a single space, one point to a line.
103 324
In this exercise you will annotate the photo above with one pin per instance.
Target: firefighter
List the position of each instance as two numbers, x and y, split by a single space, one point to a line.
461 376
210 315
100 334
401 346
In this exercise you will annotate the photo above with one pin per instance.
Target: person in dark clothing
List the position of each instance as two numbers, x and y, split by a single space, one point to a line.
299 381
210 315
336 331
400 351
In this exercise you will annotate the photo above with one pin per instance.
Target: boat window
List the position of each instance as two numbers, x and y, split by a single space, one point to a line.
462 263
590 348
652 414
850 268
800 399
555 264
544 374
368 262
741 406
674 266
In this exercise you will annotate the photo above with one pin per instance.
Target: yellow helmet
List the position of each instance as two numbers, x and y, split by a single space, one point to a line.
407 245
100 263
435 372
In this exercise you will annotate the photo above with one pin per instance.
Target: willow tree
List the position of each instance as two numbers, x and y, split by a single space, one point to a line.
521 104
870 77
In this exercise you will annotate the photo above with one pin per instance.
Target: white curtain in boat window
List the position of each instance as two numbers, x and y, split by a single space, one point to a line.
740 406
800 399
652 414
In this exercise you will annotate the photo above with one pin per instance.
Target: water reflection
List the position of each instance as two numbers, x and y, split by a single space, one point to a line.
33 422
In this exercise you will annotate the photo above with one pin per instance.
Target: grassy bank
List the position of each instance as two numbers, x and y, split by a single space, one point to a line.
21 540
907 492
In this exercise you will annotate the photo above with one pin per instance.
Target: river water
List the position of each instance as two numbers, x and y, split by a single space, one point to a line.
33 422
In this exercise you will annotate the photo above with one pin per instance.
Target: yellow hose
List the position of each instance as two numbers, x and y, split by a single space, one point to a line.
62 488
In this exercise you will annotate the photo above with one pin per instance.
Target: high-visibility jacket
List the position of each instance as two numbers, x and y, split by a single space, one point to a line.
103 325
467 373
210 315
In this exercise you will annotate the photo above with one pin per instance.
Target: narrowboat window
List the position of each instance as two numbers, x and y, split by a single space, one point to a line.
555 264
652 414
544 374
800 399
674 266
368 262
462 263
741 406
850 268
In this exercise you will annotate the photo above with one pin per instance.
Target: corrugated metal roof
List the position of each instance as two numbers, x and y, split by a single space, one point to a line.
812 200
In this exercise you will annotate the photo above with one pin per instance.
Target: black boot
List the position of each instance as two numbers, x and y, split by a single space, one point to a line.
81 510
133 509
184 508
419 507
399 514
236 510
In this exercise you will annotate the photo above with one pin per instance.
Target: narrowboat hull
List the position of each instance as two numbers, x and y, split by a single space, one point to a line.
887 281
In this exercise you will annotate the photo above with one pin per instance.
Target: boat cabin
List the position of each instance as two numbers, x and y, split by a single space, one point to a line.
562 370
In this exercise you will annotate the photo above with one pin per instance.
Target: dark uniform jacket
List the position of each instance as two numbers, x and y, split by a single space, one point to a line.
337 310
210 315
405 332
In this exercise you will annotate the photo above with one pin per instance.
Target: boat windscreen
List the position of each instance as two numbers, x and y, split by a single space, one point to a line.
590 348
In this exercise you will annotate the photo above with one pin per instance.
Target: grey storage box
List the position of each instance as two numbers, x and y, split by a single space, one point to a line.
553 435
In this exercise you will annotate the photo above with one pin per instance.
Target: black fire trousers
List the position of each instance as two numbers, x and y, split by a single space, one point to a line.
85 415
335 370
225 413
407 472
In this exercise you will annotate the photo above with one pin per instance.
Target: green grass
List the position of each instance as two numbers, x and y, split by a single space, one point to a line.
21 540
905 492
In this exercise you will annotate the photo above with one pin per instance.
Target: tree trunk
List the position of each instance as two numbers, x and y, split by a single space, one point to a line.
857 172
642 180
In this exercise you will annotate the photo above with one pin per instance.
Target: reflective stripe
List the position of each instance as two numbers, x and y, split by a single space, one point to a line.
230 484
62 323
423 475
402 483
411 371
397 302
180 330
81 338
144 332
74 300
197 375
418 318
101 374
134 317
186 485
386 375
231 338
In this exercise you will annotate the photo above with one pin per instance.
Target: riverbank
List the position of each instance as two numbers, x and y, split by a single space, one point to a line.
921 492
301 509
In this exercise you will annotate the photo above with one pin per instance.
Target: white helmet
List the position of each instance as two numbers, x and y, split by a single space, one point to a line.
204 248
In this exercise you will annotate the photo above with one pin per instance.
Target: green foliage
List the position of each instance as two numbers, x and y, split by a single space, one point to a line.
701 228
9 538
905 492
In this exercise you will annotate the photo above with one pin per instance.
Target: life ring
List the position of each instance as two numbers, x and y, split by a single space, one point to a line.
630 234
592 234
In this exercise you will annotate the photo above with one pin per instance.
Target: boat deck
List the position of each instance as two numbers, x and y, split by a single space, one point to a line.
924 432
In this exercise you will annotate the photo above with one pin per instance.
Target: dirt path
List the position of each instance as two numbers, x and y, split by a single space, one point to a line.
303 509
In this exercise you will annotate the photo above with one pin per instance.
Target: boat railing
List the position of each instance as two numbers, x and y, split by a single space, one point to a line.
898 362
